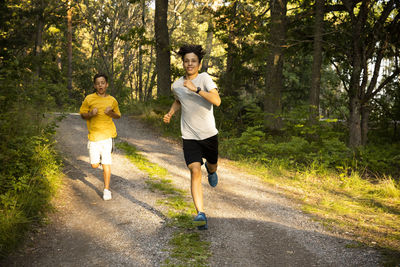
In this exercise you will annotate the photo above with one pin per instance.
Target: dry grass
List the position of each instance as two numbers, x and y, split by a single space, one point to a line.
368 212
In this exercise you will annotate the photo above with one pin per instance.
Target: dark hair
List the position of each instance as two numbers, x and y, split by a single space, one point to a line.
98 75
196 49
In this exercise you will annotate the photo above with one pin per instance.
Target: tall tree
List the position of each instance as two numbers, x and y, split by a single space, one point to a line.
40 9
163 59
231 55
209 41
140 54
317 61
372 26
69 46
274 72
150 81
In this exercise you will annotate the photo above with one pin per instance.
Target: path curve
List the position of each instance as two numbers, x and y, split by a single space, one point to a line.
250 223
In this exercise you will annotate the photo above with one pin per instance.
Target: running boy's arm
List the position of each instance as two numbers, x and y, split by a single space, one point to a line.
212 96
113 110
110 112
85 111
174 108
90 114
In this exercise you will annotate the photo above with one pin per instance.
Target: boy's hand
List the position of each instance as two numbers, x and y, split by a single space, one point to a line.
108 111
188 84
93 112
167 117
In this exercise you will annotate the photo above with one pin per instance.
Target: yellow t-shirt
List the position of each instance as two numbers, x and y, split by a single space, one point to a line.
101 126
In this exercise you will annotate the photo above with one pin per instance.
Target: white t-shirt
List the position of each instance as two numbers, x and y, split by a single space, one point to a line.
197 116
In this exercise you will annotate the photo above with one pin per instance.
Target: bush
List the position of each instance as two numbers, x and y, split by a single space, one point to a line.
253 145
296 151
380 159
334 153
26 186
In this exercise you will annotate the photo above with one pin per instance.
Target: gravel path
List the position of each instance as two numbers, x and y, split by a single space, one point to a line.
250 224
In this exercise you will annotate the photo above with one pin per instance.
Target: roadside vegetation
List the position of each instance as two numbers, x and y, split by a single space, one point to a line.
354 192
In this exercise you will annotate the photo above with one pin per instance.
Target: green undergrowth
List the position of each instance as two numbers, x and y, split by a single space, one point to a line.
187 246
365 211
30 173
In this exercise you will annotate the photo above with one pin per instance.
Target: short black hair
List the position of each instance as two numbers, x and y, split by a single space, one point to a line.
98 75
189 48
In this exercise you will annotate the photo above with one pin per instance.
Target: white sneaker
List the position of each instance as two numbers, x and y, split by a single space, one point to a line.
107 194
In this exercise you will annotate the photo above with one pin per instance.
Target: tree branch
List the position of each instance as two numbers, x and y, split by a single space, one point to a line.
340 76
383 84
375 75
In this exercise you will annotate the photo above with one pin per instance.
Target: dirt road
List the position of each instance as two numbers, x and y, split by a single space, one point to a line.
250 224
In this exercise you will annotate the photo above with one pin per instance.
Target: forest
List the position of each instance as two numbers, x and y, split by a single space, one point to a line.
306 86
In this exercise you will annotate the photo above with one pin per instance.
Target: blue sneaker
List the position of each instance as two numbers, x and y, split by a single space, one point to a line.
201 221
212 177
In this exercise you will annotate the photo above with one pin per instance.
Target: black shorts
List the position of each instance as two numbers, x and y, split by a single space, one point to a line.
196 150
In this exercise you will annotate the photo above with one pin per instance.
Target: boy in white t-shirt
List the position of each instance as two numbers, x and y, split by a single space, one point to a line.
196 93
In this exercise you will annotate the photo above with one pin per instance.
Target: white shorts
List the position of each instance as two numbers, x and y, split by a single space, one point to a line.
100 151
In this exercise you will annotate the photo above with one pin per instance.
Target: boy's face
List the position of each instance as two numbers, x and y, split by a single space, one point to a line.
100 85
191 63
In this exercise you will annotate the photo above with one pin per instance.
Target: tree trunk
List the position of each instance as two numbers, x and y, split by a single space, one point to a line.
148 91
365 111
131 93
355 101
69 47
163 63
355 123
152 83
115 91
209 40
229 79
140 75
274 73
111 78
136 90
355 139
39 39
317 61
125 63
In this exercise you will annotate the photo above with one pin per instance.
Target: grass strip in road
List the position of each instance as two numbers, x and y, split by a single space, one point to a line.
365 211
187 246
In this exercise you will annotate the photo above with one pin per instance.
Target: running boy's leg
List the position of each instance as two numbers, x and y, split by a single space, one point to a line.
197 195
95 166
107 175
94 154
212 167
106 162
196 187
210 152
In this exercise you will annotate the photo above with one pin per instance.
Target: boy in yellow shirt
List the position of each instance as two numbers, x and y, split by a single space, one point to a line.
98 109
